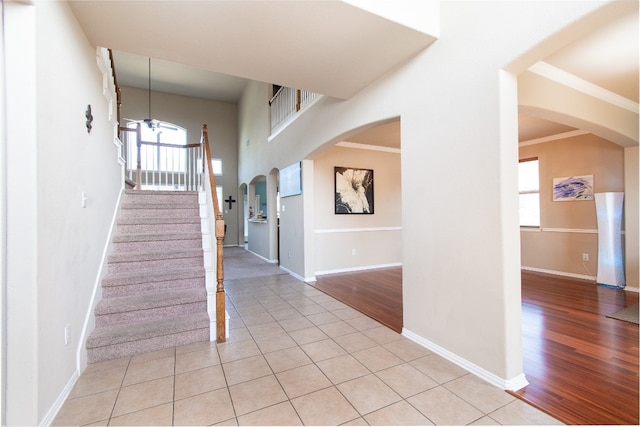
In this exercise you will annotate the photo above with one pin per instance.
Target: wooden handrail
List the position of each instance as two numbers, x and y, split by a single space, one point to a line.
117 87
219 229
275 95
164 144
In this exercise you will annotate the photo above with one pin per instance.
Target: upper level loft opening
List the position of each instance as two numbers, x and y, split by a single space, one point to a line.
286 103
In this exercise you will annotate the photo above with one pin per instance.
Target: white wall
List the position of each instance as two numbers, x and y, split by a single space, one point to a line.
191 113
255 151
55 246
21 291
458 110
3 225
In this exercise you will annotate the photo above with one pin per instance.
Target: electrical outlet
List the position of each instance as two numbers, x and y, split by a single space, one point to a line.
585 257
66 334
84 199
353 251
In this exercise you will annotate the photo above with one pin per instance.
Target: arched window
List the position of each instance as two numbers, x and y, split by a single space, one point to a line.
161 149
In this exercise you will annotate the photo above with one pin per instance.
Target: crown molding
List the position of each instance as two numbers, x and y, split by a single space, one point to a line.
358 146
555 137
567 79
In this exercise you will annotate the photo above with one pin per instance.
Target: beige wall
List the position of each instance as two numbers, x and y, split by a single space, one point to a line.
376 239
569 229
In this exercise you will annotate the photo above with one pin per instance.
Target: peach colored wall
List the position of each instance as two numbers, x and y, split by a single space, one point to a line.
569 229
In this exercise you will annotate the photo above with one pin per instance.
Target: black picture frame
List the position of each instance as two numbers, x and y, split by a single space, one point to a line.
353 189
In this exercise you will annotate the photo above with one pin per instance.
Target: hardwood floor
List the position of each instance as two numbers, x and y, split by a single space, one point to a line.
376 293
582 366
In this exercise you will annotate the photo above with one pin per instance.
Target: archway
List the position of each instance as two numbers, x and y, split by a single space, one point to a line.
258 240
243 208
360 243
273 213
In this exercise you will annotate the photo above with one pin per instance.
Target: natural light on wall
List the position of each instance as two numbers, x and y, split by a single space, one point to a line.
216 166
529 188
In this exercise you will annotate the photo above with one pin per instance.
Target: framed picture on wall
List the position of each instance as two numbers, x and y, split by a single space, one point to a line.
353 190
572 188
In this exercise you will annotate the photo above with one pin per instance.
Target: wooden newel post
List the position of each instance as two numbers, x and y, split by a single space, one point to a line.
221 335
220 294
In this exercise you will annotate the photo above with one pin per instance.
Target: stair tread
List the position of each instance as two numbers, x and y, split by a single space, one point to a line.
160 192
117 334
135 256
112 279
159 220
149 205
150 237
147 301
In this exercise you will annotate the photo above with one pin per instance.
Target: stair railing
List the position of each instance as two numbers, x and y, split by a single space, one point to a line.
159 166
286 103
219 233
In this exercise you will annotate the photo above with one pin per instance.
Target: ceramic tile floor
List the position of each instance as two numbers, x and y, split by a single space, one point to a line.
295 356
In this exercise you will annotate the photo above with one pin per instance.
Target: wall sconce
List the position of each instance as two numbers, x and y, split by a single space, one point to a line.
89 118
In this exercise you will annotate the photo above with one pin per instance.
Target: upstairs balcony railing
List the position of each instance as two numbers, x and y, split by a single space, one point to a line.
286 103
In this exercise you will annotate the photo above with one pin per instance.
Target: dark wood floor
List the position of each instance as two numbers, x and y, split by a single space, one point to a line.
376 293
582 366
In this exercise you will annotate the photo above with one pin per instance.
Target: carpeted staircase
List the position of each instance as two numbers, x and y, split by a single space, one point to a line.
154 294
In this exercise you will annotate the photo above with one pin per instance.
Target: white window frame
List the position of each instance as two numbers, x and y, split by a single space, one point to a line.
155 158
529 192
216 166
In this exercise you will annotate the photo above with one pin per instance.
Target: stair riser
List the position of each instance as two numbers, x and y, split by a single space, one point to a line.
167 195
127 267
160 213
140 288
151 314
159 228
116 351
169 201
160 245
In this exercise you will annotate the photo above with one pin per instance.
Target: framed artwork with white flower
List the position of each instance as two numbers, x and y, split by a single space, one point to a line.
353 190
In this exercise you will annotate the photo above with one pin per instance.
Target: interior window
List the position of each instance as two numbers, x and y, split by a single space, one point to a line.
216 166
156 153
529 189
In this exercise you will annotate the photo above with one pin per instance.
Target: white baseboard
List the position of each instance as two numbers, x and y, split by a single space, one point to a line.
291 273
359 268
560 273
213 326
511 384
96 293
62 397
270 261
574 276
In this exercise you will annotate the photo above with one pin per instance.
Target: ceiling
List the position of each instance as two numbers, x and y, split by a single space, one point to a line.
309 57
288 43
